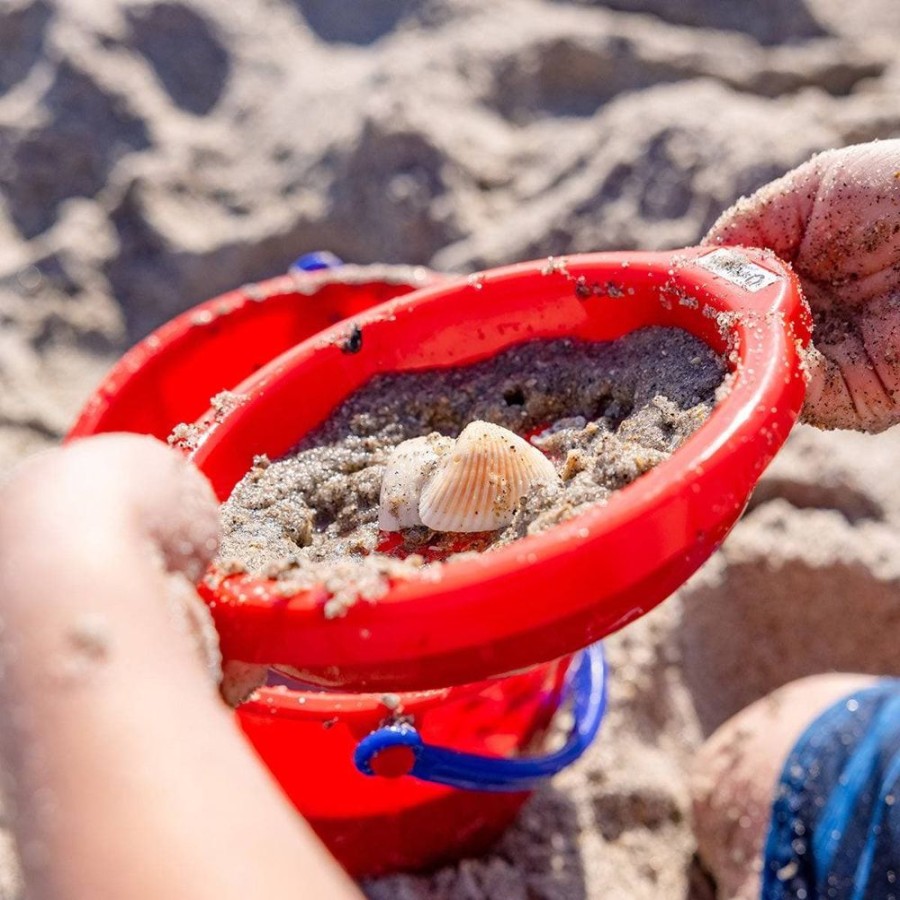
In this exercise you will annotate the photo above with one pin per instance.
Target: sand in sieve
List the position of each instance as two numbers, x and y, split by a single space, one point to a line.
605 413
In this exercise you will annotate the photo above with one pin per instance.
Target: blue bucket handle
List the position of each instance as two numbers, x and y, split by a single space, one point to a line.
586 687
316 261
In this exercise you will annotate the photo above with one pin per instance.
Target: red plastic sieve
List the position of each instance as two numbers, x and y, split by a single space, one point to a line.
550 594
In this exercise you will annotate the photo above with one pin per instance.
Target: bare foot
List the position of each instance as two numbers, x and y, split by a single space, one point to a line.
737 769
836 219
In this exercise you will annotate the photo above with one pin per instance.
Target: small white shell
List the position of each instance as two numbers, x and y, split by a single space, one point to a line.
479 485
408 467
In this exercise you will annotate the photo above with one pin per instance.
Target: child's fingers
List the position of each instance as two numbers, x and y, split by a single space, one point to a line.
855 373
836 218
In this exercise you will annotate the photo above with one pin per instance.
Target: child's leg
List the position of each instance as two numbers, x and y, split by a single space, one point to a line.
738 769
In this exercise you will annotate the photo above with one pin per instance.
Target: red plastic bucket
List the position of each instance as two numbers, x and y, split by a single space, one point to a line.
170 376
383 824
308 738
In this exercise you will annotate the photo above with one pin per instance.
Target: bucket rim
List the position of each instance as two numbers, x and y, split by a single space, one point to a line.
348 705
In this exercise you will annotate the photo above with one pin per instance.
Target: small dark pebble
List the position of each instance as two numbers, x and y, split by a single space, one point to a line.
353 344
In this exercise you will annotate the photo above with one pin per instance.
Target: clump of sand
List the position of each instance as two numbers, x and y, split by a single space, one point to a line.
155 152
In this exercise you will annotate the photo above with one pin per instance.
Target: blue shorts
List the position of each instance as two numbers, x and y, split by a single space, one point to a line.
835 827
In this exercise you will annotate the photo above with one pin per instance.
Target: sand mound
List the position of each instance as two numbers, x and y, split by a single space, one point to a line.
155 153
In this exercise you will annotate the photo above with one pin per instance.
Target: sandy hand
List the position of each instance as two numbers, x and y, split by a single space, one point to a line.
115 745
836 219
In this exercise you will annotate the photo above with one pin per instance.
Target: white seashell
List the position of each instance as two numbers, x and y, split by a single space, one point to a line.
408 467
478 486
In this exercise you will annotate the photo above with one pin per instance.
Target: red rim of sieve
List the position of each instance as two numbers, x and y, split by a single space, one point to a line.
549 594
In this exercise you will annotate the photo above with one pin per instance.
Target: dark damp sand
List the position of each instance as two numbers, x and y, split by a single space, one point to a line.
609 412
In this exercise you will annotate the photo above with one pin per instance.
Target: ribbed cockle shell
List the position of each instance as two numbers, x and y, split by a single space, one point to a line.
472 484
408 467
478 486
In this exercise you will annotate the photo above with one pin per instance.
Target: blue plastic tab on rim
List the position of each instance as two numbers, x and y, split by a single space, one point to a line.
317 260
588 691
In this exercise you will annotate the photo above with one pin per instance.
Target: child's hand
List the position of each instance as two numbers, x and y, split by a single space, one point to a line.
126 772
837 220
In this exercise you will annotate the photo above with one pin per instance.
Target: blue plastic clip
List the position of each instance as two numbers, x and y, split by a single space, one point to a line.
586 687
318 259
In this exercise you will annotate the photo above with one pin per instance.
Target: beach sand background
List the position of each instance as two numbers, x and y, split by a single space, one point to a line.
153 154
